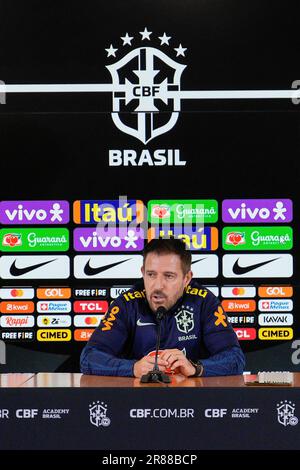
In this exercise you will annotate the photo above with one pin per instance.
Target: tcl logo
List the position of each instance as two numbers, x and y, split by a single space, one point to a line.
26 413
215 412
82 306
245 333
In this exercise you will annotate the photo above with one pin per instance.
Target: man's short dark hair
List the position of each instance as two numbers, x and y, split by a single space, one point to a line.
164 246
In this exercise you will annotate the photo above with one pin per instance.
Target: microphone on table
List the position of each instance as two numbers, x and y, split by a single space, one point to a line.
156 375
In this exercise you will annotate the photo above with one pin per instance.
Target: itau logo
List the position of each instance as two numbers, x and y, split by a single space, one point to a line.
146 84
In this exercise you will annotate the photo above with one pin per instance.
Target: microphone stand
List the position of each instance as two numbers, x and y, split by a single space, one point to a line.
156 375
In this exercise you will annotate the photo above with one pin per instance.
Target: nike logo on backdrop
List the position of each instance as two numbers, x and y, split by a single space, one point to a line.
89 271
197 260
139 323
237 269
15 271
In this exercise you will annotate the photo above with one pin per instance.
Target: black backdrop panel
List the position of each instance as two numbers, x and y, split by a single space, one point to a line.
55 146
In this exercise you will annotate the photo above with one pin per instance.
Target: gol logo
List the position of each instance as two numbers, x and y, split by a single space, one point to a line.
54 335
54 293
275 291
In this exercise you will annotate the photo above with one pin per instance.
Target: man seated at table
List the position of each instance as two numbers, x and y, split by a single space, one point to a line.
196 338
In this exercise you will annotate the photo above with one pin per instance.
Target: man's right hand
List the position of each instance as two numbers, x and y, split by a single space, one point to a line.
145 365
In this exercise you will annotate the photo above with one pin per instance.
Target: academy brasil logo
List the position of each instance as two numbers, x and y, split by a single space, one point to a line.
146 82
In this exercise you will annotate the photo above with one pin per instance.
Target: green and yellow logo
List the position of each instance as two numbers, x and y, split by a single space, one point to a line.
34 239
186 211
257 238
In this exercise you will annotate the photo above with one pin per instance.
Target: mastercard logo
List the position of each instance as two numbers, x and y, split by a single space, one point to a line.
238 291
91 321
17 293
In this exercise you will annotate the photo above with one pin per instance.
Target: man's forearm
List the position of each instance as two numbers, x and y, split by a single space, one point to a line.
96 362
228 362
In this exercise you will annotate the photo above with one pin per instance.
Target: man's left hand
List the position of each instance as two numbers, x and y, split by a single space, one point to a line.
177 360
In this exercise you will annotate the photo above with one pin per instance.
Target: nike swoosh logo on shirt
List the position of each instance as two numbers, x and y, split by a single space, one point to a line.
15 271
237 269
139 323
89 271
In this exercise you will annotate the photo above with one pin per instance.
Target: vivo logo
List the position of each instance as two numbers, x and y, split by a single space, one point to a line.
34 212
257 210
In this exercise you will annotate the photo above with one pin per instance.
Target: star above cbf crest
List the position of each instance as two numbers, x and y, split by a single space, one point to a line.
143 37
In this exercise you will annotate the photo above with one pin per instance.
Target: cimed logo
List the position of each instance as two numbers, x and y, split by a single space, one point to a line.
146 85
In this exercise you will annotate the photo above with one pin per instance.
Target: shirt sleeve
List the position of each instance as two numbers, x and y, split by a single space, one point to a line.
103 354
226 356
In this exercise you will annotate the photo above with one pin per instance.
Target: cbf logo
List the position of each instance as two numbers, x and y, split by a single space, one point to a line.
184 320
145 82
286 413
98 412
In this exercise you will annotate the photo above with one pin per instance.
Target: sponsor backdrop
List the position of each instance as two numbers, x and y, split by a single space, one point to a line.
122 122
